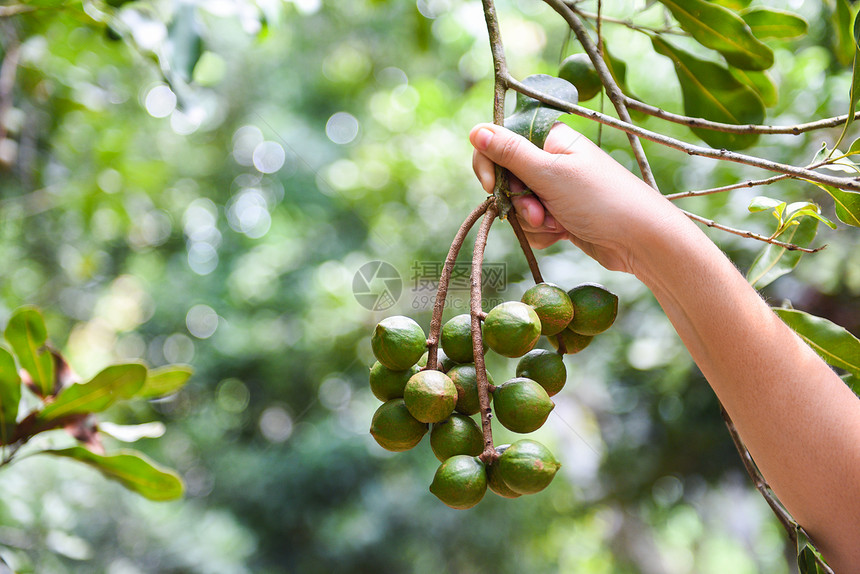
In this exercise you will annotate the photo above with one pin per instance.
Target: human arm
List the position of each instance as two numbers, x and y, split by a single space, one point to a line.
800 422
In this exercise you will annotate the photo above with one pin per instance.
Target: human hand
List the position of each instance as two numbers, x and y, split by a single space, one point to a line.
580 193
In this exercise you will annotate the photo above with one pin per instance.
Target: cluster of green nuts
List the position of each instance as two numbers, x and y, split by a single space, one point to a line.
444 400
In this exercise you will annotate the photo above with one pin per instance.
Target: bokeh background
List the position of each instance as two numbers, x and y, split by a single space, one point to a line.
200 182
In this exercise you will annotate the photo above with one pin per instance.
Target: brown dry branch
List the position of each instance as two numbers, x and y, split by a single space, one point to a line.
790 525
612 89
527 249
702 123
477 340
750 234
850 184
444 281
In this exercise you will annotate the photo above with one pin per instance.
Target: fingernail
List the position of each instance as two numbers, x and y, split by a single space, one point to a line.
483 138
524 211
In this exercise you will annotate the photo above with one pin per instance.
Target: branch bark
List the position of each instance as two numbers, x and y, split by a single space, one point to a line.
477 341
445 280
612 90
851 184
750 234
736 128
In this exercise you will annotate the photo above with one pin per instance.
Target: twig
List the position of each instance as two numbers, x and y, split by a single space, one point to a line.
444 281
627 23
702 123
8 71
527 249
750 234
612 90
852 184
500 88
14 9
791 526
477 342
739 185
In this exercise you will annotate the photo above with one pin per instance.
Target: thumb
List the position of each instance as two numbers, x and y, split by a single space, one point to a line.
509 150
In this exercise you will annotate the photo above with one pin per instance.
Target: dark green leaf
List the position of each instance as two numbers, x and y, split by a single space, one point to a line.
710 91
775 261
533 119
184 41
10 394
806 555
772 23
114 383
760 82
132 470
842 22
836 346
854 91
164 380
722 30
27 334
853 382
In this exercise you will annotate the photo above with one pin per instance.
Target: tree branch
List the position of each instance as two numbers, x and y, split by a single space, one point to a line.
477 342
750 234
851 184
445 280
735 128
612 90
787 521
739 185
500 87
527 249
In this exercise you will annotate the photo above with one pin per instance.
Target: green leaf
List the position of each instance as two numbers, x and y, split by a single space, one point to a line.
10 394
164 380
762 203
114 383
772 23
710 91
854 91
27 334
806 555
842 20
774 261
836 346
184 42
853 382
722 30
800 209
847 204
131 469
533 119
760 82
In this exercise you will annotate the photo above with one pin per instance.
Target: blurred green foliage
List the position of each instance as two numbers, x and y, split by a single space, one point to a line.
200 182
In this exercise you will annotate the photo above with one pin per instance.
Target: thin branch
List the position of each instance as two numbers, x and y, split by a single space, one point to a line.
527 249
750 234
702 123
14 9
477 342
760 483
739 185
627 23
851 184
500 88
788 523
612 90
444 281
8 70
